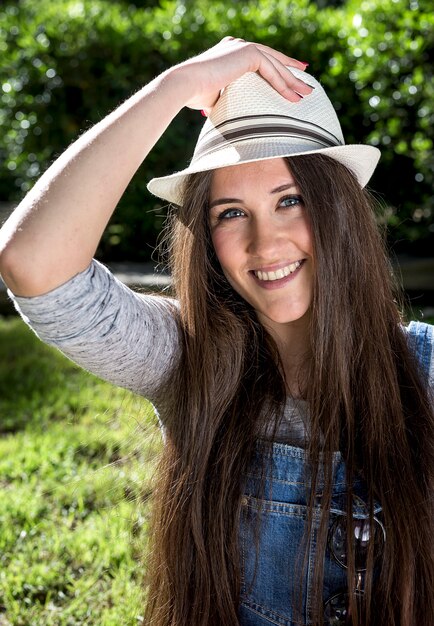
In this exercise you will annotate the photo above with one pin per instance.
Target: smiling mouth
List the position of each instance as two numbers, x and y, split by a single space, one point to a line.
280 273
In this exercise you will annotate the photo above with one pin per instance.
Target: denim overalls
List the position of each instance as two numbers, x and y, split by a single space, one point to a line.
269 581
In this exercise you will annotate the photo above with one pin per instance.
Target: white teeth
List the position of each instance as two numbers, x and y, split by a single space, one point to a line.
280 273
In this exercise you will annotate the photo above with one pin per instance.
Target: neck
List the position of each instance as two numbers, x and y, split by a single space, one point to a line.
292 342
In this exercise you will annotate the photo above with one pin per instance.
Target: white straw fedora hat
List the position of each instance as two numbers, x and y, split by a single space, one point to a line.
251 121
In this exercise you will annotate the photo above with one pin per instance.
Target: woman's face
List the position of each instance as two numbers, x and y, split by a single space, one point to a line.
262 239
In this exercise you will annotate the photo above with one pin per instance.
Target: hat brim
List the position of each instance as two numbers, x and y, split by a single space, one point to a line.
359 158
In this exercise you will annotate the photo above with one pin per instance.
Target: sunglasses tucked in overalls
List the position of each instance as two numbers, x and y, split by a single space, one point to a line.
270 578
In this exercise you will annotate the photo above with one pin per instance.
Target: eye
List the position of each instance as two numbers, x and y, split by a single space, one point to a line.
230 214
290 201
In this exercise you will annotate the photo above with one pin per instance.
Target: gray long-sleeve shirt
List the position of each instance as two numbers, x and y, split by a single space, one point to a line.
126 338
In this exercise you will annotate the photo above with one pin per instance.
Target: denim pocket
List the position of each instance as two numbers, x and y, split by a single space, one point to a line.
271 574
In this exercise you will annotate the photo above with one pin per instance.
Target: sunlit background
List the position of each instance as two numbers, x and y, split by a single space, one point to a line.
65 63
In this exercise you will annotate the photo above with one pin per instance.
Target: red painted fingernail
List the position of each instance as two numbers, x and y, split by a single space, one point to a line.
304 63
203 113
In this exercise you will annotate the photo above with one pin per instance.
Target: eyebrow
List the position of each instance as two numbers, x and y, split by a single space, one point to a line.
238 200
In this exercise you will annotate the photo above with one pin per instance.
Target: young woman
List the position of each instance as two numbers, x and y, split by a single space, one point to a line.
296 484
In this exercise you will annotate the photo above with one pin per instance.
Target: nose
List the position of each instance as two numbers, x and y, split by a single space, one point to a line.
265 239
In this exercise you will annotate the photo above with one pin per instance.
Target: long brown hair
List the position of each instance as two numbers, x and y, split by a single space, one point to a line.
366 398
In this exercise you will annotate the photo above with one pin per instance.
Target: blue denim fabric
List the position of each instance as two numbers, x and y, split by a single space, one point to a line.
421 340
269 576
270 582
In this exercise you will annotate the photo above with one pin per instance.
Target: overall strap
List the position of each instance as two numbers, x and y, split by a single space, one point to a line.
421 341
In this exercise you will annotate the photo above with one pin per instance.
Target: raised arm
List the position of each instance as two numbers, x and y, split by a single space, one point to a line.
54 232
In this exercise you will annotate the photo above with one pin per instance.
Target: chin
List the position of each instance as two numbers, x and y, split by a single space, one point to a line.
285 316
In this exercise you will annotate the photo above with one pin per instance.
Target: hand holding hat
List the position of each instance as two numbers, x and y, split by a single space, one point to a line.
210 72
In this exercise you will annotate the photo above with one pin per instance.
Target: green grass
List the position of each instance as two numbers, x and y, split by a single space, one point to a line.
76 459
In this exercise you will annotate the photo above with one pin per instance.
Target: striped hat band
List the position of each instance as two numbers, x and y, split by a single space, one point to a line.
250 127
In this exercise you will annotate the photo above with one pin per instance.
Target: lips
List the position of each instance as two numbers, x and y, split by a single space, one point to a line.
279 273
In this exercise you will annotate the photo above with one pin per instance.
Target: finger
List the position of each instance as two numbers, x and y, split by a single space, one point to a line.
229 38
297 84
282 79
282 58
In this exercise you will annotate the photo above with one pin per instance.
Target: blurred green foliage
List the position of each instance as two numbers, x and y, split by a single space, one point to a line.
66 63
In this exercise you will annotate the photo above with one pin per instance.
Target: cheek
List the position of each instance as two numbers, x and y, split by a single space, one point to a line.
230 257
305 237
225 250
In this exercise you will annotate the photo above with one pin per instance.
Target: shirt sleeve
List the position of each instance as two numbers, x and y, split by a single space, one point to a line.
126 338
